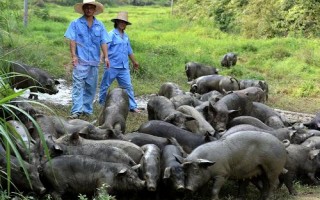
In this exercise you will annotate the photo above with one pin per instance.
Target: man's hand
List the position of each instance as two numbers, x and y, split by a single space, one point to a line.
74 61
107 62
135 65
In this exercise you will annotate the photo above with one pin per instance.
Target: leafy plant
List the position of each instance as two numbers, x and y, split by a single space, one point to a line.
8 135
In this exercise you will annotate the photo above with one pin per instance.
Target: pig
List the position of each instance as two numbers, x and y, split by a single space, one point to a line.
150 166
301 159
141 139
186 139
312 142
267 115
312 131
24 176
254 94
229 59
161 108
248 120
228 83
115 111
38 80
23 106
228 107
314 123
212 94
204 84
185 99
86 175
245 83
66 126
195 70
171 170
98 151
199 125
45 125
24 143
282 133
96 133
170 90
209 83
134 151
230 158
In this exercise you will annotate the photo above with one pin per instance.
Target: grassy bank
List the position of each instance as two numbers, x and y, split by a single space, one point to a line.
163 43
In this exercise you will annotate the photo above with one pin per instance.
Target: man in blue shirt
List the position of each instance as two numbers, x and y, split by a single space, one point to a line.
87 36
119 52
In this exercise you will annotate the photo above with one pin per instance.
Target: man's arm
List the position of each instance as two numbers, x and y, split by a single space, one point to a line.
104 48
73 52
134 62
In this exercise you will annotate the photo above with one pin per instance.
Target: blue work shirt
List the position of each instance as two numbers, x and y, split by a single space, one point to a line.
119 50
88 40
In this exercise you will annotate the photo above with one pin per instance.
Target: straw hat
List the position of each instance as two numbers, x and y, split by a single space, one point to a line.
99 6
123 16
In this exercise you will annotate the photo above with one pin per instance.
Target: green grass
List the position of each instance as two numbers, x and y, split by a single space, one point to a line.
163 43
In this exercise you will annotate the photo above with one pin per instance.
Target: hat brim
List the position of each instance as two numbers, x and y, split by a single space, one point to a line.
114 20
99 7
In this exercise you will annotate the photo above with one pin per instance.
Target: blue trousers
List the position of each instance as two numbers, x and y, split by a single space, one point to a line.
85 80
124 81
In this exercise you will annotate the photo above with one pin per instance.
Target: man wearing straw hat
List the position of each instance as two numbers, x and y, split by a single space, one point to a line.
119 52
87 37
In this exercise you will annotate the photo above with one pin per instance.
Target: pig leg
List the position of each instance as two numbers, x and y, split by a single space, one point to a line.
56 195
218 183
312 178
242 189
288 181
270 185
32 95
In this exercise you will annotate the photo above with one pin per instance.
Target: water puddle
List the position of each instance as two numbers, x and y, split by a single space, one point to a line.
63 97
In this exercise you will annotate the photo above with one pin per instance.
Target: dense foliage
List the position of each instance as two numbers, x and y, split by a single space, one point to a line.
109 2
257 18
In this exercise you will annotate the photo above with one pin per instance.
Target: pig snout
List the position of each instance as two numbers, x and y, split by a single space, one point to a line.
220 127
143 183
54 90
189 189
221 131
151 187
180 188
41 190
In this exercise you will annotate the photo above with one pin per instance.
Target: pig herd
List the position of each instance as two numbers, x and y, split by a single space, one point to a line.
220 130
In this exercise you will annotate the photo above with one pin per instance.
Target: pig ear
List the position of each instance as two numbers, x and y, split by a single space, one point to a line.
167 173
189 117
232 111
185 164
313 154
49 82
57 149
205 163
122 171
194 87
292 133
136 167
178 158
170 118
110 134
